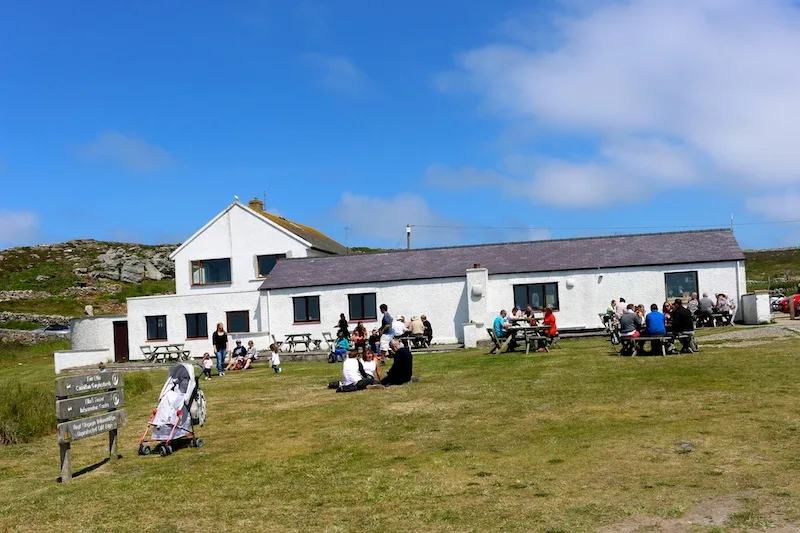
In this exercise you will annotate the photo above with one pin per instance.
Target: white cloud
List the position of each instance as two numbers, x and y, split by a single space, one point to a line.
672 91
18 227
776 207
339 74
131 153
386 219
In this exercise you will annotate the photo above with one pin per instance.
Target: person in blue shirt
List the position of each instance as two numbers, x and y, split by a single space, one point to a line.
500 328
655 325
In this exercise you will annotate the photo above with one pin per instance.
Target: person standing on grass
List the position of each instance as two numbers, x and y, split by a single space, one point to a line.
275 358
207 364
219 340
386 332
344 329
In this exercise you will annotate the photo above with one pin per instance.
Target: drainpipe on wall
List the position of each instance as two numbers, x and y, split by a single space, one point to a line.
269 316
738 291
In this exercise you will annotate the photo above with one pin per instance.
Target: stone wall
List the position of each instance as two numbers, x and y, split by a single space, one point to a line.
23 295
44 320
27 337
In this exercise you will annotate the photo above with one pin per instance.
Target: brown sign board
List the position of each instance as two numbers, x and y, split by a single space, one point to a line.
87 405
99 381
91 426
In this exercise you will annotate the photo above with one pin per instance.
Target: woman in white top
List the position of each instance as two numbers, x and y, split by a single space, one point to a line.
370 365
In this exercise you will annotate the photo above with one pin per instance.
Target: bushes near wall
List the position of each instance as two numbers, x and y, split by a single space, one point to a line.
26 412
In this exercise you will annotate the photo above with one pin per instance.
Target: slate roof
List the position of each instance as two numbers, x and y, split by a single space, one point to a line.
705 246
318 240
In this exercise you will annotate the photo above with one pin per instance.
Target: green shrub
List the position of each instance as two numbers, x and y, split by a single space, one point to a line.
137 383
19 324
26 412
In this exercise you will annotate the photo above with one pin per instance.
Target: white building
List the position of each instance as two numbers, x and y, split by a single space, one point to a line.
261 275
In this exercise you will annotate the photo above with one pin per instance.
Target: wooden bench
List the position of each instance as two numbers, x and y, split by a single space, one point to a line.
329 340
634 345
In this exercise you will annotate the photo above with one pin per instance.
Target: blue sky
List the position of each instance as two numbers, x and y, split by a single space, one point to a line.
141 121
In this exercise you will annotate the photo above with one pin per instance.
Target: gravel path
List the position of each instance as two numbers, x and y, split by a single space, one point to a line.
766 332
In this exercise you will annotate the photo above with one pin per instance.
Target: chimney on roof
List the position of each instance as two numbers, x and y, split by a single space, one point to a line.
256 205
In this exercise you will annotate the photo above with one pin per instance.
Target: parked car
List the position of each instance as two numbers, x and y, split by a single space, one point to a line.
776 303
785 303
54 328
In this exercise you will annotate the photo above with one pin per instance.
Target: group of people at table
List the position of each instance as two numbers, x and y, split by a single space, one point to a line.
419 329
507 325
632 322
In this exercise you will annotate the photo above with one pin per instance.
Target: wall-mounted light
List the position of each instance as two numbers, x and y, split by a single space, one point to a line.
599 278
570 283
477 290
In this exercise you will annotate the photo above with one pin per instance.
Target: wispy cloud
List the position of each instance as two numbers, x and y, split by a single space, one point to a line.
672 93
131 153
339 74
18 227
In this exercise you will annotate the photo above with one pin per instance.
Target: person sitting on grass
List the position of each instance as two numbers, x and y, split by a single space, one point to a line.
370 365
251 356
354 375
237 357
655 326
402 366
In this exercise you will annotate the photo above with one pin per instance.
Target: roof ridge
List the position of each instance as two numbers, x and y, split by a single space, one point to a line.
564 239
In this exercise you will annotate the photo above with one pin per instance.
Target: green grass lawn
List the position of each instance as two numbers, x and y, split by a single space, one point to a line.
571 441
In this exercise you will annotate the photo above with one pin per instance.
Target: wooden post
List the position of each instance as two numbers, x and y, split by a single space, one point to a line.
65 450
112 445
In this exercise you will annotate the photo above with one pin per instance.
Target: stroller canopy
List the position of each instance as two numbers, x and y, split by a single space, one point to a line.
181 379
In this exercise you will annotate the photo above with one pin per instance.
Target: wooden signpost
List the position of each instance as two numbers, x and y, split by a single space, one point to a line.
83 415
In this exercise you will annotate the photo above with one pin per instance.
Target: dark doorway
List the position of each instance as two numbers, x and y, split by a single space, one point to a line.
121 341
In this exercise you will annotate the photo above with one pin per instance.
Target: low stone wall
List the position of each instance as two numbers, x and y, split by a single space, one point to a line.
28 337
79 358
23 295
44 320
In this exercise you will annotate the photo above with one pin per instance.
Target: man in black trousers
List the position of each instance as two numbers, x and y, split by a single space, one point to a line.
403 364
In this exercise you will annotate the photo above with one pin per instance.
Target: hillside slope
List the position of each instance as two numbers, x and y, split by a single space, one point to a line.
62 278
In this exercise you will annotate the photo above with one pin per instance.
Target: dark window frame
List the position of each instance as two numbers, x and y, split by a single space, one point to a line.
228 321
308 319
157 338
556 306
202 282
681 272
277 257
195 317
374 307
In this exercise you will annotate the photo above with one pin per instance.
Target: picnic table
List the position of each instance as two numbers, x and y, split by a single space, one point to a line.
294 339
715 319
635 345
419 341
154 353
527 334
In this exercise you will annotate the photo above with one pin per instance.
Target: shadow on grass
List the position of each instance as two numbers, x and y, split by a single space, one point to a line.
87 469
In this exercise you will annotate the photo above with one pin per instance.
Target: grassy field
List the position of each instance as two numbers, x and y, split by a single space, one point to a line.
576 440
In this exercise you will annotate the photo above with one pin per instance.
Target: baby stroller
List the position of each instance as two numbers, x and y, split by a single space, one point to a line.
181 406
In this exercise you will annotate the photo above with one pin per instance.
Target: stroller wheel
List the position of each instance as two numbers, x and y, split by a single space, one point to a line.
144 450
197 443
165 450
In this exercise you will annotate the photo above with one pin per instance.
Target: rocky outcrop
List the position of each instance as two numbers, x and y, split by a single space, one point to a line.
132 266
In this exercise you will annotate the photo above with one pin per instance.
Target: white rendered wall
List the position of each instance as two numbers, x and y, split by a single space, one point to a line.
444 302
591 295
241 235
78 358
756 308
93 333
175 307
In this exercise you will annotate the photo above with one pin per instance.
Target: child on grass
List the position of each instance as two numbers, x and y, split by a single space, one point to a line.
207 364
276 359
